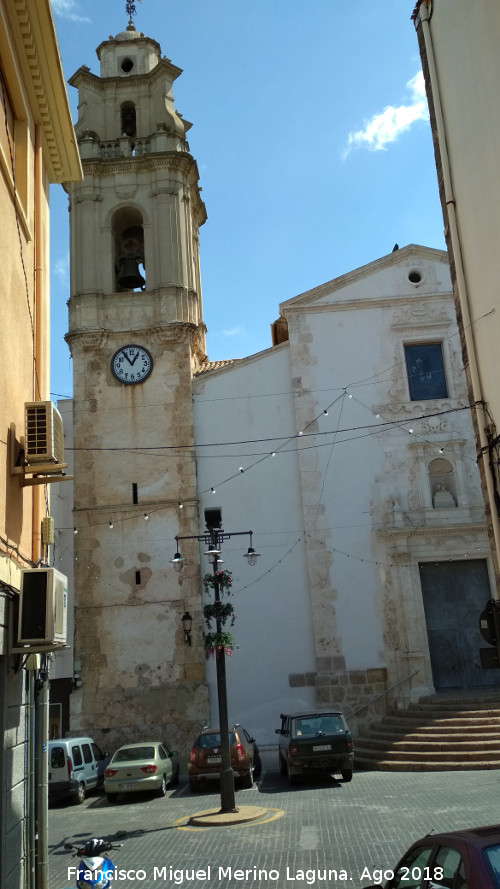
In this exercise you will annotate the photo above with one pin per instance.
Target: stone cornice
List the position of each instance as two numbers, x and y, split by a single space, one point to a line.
33 30
449 532
164 67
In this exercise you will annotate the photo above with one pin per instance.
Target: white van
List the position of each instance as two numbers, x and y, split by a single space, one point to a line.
76 766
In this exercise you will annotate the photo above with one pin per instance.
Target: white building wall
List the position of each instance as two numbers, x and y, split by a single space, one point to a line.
343 514
251 402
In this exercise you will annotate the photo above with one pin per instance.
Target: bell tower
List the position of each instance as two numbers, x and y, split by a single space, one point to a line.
137 337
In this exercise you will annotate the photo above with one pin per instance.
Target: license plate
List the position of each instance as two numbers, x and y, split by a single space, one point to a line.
322 747
214 759
128 786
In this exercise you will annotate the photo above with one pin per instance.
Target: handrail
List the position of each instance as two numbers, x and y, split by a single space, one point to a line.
381 695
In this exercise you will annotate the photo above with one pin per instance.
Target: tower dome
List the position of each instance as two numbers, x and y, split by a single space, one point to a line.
129 53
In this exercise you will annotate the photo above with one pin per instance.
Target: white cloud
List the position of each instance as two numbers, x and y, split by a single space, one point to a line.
60 269
67 9
233 331
388 125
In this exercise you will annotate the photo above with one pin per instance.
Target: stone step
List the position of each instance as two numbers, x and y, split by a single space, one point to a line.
435 733
388 765
430 756
430 731
401 717
419 744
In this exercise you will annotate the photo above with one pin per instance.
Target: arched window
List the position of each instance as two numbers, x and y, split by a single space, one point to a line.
128 238
442 484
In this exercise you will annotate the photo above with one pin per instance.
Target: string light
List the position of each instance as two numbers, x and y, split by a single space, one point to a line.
111 525
146 517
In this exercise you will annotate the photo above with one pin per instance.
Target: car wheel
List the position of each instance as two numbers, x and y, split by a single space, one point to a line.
79 794
247 780
194 785
257 771
111 797
292 779
346 774
163 787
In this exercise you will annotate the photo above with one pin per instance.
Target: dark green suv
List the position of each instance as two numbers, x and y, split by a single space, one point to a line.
315 741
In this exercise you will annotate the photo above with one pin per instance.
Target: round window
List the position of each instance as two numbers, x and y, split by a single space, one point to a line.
415 277
127 65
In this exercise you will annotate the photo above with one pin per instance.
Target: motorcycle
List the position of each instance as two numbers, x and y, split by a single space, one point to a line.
95 869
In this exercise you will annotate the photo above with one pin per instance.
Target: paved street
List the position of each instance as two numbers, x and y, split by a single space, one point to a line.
310 829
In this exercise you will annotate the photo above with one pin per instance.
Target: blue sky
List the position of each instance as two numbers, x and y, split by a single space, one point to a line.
311 134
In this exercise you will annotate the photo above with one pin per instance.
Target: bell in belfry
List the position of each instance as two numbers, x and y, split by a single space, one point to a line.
131 255
128 274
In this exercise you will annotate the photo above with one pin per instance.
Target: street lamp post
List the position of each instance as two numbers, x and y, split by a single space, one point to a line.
213 538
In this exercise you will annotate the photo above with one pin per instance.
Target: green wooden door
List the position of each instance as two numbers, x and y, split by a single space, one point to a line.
454 595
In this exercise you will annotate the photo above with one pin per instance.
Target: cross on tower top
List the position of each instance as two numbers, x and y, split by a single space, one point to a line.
130 8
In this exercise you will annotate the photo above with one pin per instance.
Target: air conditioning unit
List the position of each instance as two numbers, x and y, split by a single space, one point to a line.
44 435
43 608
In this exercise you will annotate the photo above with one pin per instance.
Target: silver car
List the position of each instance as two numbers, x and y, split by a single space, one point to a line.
147 766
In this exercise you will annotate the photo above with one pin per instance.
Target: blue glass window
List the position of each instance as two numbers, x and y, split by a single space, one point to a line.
424 365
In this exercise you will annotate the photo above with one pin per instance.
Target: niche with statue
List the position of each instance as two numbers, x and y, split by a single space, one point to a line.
442 483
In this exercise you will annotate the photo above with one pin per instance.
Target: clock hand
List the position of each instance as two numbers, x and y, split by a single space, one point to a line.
128 359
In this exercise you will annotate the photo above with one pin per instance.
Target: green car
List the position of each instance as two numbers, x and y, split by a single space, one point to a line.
315 741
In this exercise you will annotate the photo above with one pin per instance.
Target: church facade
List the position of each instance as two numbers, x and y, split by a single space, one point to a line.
346 448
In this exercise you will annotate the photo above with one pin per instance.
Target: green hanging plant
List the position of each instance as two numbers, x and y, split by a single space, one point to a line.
221 611
222 578
215 642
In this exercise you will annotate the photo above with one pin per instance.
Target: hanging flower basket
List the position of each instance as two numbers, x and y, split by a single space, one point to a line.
221 611
222 578
215 642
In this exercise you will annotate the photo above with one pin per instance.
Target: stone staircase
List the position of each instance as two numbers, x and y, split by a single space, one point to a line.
439 733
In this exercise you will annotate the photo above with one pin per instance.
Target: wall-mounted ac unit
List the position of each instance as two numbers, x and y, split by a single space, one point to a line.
43 607
44 436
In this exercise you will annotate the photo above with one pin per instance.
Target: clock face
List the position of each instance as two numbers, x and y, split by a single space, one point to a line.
131 364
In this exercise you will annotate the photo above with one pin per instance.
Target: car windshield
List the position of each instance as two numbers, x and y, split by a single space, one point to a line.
133 754
212 739
492 855
311 726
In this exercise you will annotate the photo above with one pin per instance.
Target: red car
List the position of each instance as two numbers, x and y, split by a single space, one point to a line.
461 859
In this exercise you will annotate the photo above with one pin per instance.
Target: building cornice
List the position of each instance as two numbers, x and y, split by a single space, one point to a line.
412 251
31 25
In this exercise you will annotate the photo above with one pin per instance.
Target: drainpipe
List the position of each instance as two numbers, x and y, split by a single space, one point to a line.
40 387
478 405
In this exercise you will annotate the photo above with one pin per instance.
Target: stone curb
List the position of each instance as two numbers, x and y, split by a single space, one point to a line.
216 818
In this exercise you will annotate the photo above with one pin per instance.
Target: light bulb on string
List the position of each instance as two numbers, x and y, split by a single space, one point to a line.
111 525
146 517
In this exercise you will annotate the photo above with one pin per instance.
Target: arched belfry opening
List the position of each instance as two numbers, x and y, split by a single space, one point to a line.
128 239
128 123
